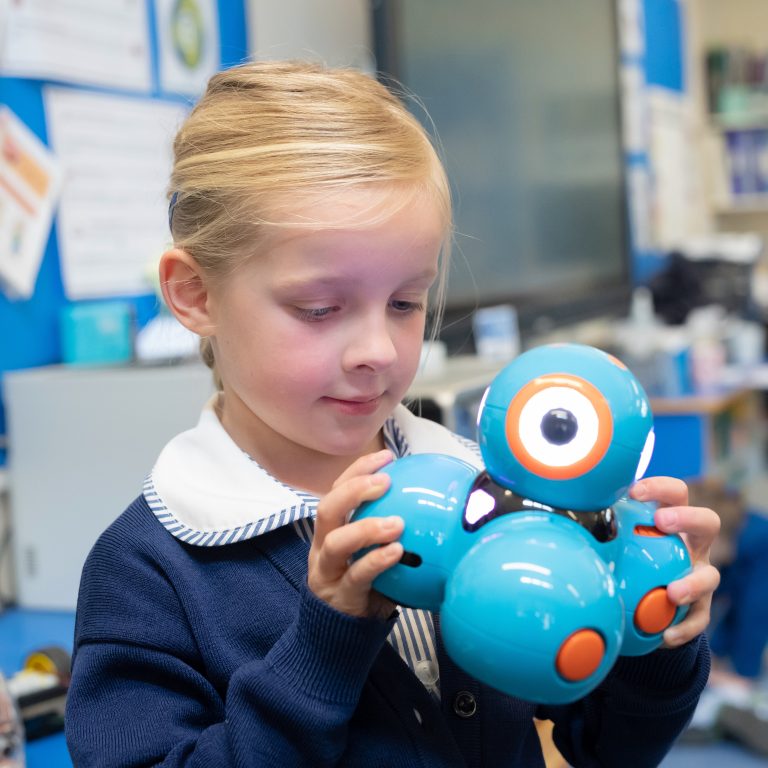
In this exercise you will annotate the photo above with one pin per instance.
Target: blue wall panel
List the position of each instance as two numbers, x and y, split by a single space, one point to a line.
664 59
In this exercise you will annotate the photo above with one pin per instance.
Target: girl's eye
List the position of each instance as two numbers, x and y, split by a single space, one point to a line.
314 314
406 306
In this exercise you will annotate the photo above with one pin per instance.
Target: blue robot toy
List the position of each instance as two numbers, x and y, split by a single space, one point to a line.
542 569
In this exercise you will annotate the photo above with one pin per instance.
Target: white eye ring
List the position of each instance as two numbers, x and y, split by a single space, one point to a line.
540 404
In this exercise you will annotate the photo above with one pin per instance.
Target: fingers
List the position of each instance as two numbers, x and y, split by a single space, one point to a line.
697 585
347 586
695 589
699 526
365 465
332 575
667 491
361 574
333 559
694 623
353 487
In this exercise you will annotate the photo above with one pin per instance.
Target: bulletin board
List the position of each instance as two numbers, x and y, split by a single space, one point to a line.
30 325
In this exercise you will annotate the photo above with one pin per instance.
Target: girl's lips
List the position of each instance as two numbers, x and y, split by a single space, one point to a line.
356 407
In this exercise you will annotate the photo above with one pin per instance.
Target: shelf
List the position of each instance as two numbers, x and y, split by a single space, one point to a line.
745 122
702 404
750 206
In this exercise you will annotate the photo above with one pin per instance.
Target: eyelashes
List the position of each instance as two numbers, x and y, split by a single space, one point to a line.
406 307
318 314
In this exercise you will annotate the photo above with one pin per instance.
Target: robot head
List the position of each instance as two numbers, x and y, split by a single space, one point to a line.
566 425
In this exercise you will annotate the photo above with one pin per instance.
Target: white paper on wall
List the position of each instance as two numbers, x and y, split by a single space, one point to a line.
634 110
89 42
631 23
115 154
680 207
29 187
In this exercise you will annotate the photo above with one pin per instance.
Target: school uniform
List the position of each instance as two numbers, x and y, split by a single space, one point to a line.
198 643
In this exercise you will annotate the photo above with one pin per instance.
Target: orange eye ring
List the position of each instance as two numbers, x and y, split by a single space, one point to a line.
582 465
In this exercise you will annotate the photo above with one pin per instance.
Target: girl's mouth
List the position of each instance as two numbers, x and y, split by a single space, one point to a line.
356 407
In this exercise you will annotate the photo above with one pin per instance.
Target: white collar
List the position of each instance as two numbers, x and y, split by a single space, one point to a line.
205 490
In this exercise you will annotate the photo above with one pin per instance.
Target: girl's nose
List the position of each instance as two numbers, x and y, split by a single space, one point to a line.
371 345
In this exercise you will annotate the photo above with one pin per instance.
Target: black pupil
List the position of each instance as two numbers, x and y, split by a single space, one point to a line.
559 426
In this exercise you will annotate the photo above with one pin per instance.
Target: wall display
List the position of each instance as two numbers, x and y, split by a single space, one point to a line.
188 44
107 51
88 42
29 184
116 155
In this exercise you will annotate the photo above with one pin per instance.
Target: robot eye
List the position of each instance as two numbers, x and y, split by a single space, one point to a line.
559 426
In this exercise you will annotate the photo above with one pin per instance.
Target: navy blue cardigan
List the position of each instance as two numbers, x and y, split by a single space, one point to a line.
220 656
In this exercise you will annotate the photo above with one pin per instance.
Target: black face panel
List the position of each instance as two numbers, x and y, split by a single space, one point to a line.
497 501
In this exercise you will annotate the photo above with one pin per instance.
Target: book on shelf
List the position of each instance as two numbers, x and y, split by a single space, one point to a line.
746 156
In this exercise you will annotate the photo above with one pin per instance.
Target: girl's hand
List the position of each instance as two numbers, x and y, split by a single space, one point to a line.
333 576
698 526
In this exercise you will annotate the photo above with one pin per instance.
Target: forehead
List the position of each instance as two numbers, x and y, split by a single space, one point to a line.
357 238
360 216
361 206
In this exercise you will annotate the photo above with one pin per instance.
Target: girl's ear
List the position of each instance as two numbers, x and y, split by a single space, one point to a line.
185 291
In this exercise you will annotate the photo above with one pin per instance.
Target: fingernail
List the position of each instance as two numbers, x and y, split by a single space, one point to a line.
639 491
390 523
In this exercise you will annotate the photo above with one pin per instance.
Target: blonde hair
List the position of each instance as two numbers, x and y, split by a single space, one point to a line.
267 135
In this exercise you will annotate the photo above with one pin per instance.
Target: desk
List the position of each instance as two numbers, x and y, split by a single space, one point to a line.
21 631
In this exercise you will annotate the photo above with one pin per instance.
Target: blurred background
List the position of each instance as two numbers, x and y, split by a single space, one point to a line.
609 162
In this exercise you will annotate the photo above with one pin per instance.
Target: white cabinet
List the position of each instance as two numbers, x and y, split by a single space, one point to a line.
81 442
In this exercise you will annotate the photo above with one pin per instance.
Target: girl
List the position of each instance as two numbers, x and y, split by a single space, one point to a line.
220 622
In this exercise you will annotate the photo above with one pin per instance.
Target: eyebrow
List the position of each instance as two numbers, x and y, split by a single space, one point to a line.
321 281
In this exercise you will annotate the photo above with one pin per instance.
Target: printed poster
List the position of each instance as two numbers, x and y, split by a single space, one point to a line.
29 187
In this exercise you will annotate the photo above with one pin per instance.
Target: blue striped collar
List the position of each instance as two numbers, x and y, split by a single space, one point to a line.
206 491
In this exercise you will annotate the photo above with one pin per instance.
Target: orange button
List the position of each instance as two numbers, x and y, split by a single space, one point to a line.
580 655
655 612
